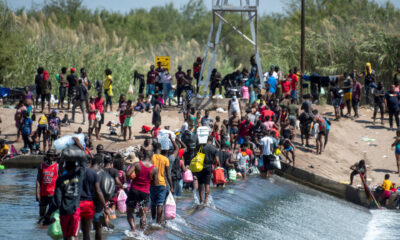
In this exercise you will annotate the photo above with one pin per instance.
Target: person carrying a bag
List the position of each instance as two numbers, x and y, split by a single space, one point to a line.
204 176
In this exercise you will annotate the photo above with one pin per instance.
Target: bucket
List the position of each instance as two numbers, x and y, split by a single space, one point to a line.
202 134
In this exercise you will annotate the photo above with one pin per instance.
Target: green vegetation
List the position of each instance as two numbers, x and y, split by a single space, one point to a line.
342 35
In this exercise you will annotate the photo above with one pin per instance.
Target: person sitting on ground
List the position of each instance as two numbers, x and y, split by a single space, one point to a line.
358 168
139 107
4 150
147 104
386 186
65 121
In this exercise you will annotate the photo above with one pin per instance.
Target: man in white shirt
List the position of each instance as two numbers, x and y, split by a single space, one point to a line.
266 144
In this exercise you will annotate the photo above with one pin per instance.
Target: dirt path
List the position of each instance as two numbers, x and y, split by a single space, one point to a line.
345 146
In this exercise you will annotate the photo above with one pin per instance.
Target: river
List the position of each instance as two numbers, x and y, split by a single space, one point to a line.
252 209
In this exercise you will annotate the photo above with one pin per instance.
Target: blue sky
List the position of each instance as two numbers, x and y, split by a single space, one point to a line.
266 6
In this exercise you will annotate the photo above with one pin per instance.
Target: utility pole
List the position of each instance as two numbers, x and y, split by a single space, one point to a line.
303 50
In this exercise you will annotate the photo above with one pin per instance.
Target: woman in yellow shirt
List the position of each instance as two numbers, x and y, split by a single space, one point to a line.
386 186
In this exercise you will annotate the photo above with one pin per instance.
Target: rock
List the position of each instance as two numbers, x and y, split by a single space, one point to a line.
311 166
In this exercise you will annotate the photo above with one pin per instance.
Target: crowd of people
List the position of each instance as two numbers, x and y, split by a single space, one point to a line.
258 133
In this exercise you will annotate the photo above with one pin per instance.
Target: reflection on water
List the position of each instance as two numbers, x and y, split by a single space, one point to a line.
255 209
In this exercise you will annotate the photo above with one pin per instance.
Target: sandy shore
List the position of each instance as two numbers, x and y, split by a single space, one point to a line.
345 146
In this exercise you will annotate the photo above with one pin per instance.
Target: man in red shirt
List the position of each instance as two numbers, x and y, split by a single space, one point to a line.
244 129
265 113
294 80
98 103
285 87
46 181
151 80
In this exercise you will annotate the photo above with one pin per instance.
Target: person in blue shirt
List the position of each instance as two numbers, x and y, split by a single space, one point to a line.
272 84
26 130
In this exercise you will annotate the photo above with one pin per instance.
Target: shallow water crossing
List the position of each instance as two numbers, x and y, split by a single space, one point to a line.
252 209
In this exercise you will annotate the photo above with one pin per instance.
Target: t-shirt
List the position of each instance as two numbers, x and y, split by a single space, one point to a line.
357 91
151 77
392 100
335 91
4 150
26 126
206 121
82 92
179 77
245 128
107 82
114 173
269 125
160 162
71 80
98 103
265 113
88 188
44 86
379 96
387 185
43 120
92 115
242 159
68 192
223 158
266 143
272 84
285 86
292 109
252 117
54 124
210 152
347 83
306 106
295 79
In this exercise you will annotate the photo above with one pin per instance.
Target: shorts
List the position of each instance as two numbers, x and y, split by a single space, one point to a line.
292 120
108 98
293 93
234 130
204 177
101 122
70 224
70 91
267 162
336 102
45 97
62 92
157 195
242 169
92 123
348 96
150 88
288 149
240 140
397 151
136 197
99 212
385 195
122 118
322 132
45 201
87 209
128 122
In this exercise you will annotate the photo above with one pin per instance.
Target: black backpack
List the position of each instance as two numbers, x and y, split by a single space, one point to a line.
176 173
189 139
107 184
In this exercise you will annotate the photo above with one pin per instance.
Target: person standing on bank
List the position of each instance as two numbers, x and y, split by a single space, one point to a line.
80 101
45 88
63 87
392 99
38 77
72 83
107 85
356 97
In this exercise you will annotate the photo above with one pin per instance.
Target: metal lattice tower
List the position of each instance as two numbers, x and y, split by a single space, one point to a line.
219 8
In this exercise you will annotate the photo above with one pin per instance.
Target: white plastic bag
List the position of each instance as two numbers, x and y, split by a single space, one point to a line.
63 142
130 90
98 116
121 201
163 138
170 207
276 162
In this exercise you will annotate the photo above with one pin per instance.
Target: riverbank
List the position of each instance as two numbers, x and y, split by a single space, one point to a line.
347 142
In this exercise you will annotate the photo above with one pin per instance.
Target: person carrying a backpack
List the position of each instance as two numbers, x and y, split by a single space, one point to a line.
80 100
189 138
